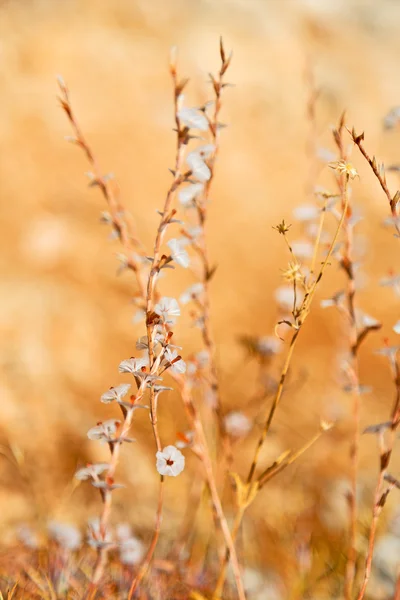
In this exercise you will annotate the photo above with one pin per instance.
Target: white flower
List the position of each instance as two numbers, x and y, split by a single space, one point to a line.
386 564
143 342
193 118
391 221
188 194
91 471
198 167
116 393
306 212
302 249
167 309
193 292
185 440
179 366
191 234
28 536
170 461
67 536
199 361
178 253
123 531
396 328
336 300
133 365
392 281
104 431
325 155
392 118
237 424
269 345
131 551
139 315
364 320
202 358
205 151
389 351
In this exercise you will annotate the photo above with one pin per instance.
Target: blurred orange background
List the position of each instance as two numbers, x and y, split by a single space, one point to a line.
66 318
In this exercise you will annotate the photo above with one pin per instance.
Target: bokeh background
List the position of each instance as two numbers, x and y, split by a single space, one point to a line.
66 317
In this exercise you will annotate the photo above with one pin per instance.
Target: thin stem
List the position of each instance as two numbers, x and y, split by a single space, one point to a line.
273 470
210 478
379 173
303 313
371 540
153 361
121 221
353 368
149 554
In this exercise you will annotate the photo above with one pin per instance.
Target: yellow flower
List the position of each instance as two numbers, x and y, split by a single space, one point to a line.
293 272
344 168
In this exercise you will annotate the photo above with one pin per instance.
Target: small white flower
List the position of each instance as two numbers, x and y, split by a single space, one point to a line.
198 167
269 345
237 424
91 471
170 461
302 249
199 361
193 118
133 365
202 358
139 315
392 281
115 393
392 118
389 351
67 536
104 431
167 309
364 320
325 155
28 536
143 342
191 234
192 293
131 551
177 367
185 440
123 531
189 193
391 221
306 212
203 152
178 253
336 300
396 328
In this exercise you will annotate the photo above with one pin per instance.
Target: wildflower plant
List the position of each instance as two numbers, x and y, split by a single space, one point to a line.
191 177
159 364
